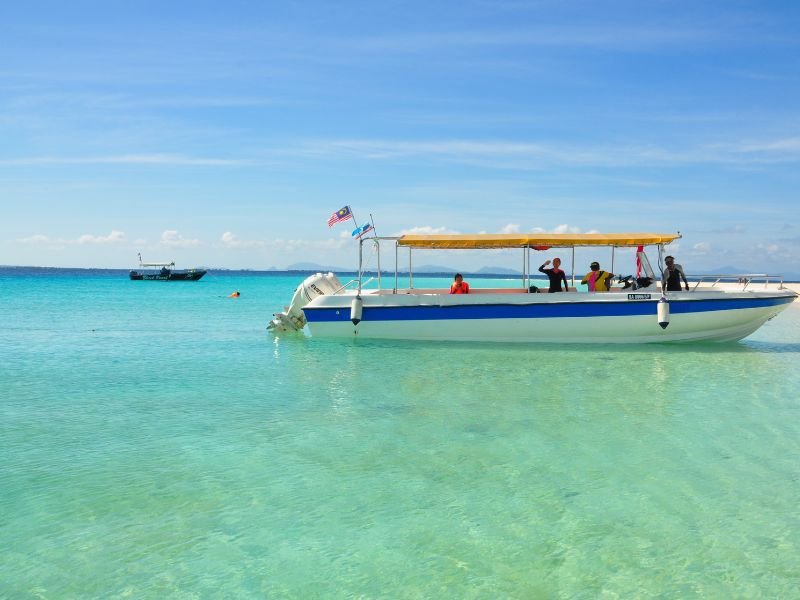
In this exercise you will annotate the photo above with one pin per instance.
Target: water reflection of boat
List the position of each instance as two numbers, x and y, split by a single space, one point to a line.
637 313
164 271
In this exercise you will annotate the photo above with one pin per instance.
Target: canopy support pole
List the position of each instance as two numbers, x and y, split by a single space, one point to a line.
360 263
396 248
410 273
612 257
528 253
378 250
573 266
524 269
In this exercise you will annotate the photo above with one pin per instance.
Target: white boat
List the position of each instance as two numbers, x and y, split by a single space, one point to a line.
716 308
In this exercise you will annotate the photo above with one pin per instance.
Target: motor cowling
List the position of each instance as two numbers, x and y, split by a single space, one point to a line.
293 319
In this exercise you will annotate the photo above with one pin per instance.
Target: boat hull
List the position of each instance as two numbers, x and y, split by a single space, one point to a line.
587 318
172 276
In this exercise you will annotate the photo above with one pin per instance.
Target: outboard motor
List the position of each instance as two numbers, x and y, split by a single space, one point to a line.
293 319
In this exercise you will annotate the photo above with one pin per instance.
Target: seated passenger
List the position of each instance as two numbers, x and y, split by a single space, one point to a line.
459 285
555 275
597 280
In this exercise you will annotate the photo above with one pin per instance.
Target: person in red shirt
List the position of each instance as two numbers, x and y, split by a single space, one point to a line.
459 285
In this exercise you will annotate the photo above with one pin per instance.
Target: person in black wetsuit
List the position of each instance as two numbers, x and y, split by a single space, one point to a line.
671 278
555 275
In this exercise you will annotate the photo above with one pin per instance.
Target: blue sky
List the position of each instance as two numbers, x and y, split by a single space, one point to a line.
225 134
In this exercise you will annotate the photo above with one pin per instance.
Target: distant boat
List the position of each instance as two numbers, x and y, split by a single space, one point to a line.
164 271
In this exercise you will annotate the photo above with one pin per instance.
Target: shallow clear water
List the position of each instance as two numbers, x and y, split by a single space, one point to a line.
156 441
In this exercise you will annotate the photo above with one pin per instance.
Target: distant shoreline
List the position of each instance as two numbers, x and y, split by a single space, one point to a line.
792 284
269 272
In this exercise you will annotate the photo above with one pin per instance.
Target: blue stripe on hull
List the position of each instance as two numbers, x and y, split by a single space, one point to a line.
536 310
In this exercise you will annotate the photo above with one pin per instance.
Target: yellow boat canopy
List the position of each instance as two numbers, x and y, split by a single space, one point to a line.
534 240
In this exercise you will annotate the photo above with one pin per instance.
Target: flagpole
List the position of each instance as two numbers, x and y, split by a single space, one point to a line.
374 231
360 251
354 215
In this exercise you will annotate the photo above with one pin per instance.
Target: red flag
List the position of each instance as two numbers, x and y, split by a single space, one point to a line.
639 261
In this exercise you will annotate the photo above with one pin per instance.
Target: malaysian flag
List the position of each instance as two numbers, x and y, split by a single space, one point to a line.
340 215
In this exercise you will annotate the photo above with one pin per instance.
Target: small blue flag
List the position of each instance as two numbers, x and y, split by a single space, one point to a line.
359 231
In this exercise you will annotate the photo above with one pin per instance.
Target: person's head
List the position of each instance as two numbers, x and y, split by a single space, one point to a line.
556 262
670 261
595 266
458 278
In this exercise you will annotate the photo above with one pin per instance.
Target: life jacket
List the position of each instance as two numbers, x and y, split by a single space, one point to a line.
597 281
459 289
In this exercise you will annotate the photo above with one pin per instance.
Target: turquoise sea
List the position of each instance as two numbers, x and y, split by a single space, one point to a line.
157 442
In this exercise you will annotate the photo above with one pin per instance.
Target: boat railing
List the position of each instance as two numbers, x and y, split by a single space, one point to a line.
743 279
352 282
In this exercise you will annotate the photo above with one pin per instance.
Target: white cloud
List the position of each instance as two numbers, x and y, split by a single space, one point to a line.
329 244
730 229
535 155
85 239
563 228
37 239
772 252
230 240
780 145
127 159
426 230
510 228
111 238
172 239
701 248
597 36
526 155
